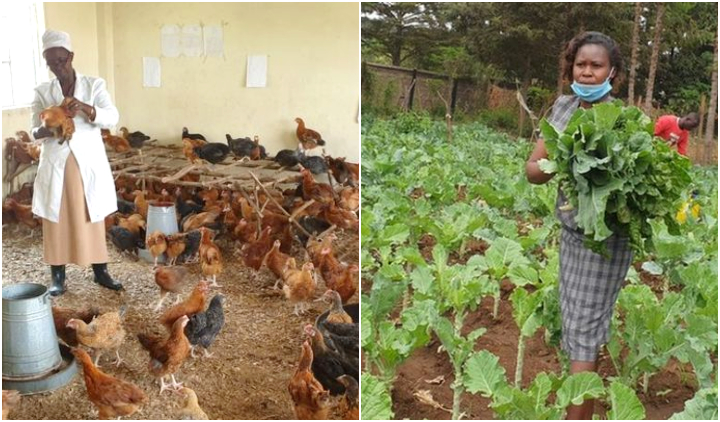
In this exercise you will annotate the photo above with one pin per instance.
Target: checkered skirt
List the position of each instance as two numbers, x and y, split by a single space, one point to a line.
589 287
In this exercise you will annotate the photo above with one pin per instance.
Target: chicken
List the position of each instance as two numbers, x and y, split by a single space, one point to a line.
189 146
193 136
253 253
105 332
212 152
61 316
124 239
287 158
337 314
300 286
315 164
23 213
125 207
169 279
156 243
245 232
312 225
328 364
348 407
20 155
210 257
133 223
141 204
340 217
341 278
205 326
344 173
195 221
167 355
136 139
348 346
191 410
112 396
57 118
192 247
10 399
176 245
320 192
278 262
192 305
350 198
308 395
117 143
308 138
245 147
185 207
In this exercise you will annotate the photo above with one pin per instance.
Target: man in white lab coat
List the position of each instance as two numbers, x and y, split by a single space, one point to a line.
74 188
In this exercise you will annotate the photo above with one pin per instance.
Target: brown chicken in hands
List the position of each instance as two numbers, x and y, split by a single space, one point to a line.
61 316
300 286
348 407
192 409
156 244
210 257
57 118
192 305
278 262
112 396
167 355
169 279
308 138
10 399
308 395
337 314
320 192
176 244
105 332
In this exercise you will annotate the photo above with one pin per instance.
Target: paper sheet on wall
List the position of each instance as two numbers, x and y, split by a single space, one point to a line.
191 40
170 40
213 39
151 72
256 72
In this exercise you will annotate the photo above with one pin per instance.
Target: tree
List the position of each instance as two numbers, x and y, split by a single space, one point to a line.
634 55
654 57
710 127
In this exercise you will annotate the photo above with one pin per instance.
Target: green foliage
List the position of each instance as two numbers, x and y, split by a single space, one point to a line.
704 406
376 401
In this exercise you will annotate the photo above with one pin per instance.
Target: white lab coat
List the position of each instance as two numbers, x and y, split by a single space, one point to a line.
87 146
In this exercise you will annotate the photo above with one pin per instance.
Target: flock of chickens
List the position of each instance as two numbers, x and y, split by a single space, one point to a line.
263 233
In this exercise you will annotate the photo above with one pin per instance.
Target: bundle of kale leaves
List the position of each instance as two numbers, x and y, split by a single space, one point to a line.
616 174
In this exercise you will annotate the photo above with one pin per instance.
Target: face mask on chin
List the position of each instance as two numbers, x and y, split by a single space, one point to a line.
592 93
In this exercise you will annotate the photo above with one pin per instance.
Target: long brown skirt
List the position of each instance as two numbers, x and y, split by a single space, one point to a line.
74 240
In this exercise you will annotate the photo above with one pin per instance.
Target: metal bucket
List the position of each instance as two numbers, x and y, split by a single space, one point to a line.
161 216
29 341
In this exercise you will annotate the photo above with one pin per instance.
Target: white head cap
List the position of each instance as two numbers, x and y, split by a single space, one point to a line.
53 38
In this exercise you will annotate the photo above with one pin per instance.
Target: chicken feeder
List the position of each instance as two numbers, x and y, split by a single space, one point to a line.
32 360
161 216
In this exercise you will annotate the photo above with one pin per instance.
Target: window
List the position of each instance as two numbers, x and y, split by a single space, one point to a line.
22 66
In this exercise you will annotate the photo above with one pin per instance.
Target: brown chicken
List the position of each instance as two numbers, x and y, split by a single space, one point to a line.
210 257
300 286
176 244
245 232
189 148
112 396
320 192
57 118
253 253
307 137
141 203
340 217
23 213
278 262
191 410
349 199
117 143
337 314
61 316
156 244
105 332
19 155
308 395
339 277
194 304
133 223
169 279
348 406
196 221
11 398
167 354
344 172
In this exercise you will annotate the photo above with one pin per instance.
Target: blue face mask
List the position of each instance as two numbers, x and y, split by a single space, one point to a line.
592 93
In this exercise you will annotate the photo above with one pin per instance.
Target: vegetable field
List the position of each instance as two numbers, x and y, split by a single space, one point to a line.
460 312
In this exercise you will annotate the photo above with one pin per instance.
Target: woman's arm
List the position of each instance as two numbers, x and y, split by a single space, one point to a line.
532 168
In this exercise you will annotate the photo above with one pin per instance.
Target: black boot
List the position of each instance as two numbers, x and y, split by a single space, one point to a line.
58 280
103 278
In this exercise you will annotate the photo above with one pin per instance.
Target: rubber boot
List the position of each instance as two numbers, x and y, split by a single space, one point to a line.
103 278
58 280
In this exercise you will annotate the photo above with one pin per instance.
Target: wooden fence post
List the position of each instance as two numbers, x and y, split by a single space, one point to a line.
412 89
453 98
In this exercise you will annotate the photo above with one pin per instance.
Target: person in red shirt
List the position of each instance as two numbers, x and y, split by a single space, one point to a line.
675 130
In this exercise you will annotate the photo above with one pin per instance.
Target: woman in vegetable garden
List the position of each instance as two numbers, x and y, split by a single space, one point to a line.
589 282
